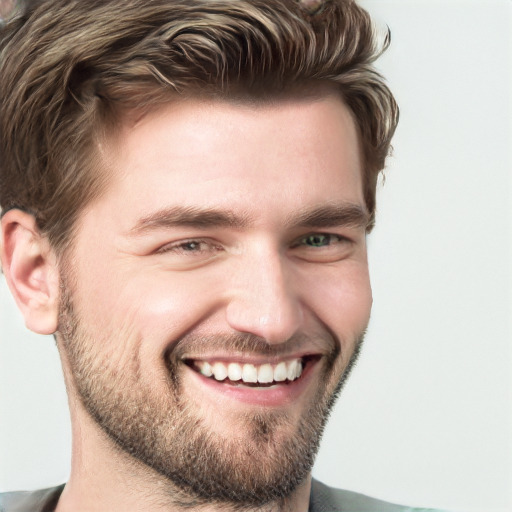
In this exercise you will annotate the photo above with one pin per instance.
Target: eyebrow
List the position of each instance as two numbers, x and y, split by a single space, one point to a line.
330 215
189 216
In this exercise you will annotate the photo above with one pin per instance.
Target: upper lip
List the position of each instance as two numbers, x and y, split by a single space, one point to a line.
255 359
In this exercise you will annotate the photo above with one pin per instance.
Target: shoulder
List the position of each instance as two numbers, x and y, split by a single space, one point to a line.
329 499
43 500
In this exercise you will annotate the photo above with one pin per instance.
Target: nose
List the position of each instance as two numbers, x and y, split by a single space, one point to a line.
264 301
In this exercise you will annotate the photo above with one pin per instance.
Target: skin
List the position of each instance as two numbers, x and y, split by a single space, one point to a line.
146 289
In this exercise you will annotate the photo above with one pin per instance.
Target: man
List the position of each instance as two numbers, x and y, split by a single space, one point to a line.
186 189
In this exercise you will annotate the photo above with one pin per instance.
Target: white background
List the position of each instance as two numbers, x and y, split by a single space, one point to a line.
426 418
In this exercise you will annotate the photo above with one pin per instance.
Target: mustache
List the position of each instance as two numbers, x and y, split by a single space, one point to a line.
195 345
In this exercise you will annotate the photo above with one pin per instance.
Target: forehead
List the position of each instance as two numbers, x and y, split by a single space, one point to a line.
218 153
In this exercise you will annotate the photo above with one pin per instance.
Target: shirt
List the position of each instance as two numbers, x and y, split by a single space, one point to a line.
322 499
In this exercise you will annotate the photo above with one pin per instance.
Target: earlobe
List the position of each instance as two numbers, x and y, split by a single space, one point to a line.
30 268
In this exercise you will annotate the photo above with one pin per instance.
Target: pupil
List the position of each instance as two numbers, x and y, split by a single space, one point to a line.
318 240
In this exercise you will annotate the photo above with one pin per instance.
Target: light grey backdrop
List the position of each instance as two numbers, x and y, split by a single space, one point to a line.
426 418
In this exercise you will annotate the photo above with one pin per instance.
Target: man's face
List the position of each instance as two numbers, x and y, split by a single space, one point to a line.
230 240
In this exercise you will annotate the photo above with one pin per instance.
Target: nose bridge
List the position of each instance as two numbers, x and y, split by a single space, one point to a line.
264 301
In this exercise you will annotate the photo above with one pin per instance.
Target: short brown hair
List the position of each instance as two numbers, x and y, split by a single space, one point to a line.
68 68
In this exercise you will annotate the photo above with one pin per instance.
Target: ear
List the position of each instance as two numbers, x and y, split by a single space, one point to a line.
31 271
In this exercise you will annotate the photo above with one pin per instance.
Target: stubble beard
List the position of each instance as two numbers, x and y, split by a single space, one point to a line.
165 433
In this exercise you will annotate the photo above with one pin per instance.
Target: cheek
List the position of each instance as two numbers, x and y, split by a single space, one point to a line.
341 298
154 305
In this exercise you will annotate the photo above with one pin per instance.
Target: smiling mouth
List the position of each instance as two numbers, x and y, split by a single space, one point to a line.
253 375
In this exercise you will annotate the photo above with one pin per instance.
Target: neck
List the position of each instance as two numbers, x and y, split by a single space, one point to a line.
105 478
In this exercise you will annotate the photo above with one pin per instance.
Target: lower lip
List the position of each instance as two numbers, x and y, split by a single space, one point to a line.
272 396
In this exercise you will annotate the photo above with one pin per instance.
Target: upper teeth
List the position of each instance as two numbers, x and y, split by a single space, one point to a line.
250 373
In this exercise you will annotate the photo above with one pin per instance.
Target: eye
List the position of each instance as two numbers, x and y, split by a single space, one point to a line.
188 254
319 240
190 247
322 247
